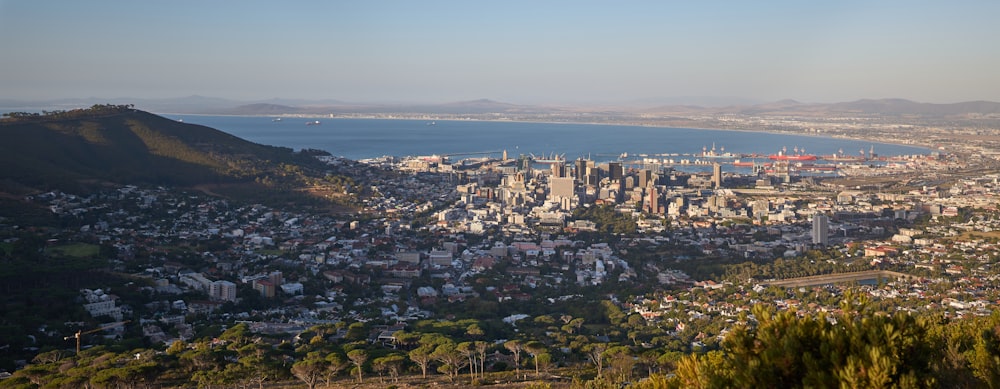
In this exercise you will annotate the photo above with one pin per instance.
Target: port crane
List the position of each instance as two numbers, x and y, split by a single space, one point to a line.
80 333
472 153
552 158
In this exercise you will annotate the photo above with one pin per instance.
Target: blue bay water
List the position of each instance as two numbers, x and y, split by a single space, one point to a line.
369 138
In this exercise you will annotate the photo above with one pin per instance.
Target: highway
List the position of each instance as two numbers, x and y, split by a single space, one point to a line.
837 278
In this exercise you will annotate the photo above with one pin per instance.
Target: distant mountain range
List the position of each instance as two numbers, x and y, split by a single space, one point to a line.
474 107
859 107
217 106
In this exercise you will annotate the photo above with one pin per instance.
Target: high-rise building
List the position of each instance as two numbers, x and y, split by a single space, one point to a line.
615 172
265 287
645 178
222 291
580 167
558 169
586 172
716 175
653 202
562 187
276 278
820 230
783 170
524 163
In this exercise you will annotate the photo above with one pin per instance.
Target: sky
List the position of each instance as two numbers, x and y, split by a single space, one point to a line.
527 52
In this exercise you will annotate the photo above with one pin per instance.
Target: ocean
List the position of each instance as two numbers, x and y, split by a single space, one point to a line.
370 138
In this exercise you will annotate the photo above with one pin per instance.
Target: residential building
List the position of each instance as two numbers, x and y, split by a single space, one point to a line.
820 229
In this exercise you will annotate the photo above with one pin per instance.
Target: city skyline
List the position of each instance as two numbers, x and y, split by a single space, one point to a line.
521 52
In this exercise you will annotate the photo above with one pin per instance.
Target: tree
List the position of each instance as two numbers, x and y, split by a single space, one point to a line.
515 347
309 370
452 360
783 350
595 353
238 334
481 348
468 351
336 362
474 331
390 363
358 358
572 326
544 361
356 331
650 359
406 339
255 365
177 347
535 348
621 362
422 356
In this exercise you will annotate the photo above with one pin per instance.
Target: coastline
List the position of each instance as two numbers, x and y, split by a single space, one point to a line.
625 123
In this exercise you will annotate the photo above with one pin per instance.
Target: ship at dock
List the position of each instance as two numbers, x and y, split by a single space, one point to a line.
798 155
841 157
743 163
706 153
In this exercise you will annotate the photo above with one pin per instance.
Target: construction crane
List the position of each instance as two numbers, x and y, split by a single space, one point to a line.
80 333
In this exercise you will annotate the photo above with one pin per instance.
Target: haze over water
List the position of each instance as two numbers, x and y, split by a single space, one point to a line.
370 138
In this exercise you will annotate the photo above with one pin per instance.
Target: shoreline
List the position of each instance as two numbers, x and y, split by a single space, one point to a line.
928 148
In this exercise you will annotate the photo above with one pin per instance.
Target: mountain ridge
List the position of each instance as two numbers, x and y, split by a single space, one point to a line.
209 105
488 106
79 149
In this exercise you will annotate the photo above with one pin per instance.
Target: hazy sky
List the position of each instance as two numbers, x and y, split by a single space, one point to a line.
512 51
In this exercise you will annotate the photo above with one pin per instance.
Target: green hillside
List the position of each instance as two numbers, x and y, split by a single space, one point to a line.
79 149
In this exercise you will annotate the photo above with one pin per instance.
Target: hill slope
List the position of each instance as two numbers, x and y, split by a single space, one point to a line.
115 144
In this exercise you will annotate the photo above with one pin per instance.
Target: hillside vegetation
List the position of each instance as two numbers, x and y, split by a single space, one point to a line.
79 149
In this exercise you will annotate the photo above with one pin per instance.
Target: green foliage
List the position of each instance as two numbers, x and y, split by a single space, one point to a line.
75 250
607 220
73 150
358 358
310 370
96 110
849 349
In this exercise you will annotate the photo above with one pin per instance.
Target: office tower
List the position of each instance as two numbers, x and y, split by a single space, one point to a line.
820 229
562 187
587 172
558 169
783 170
716 175
653 202
615 172
524 163
645 178
580 169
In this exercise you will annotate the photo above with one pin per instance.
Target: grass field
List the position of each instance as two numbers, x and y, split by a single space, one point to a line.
75 250
969 235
